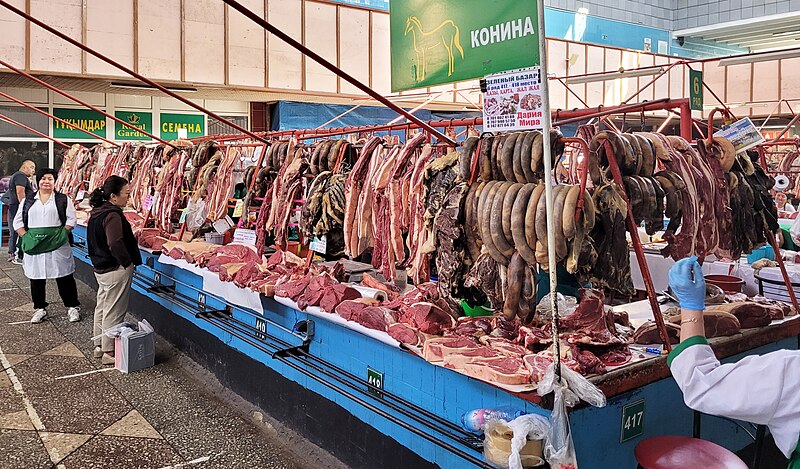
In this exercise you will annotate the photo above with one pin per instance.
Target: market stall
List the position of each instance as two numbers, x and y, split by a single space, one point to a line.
406 362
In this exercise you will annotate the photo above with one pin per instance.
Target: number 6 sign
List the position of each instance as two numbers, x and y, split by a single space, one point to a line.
696 90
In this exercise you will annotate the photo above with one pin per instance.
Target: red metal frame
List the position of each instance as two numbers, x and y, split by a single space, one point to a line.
45 113
34 131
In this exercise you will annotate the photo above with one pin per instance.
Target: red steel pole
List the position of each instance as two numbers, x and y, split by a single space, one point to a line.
82 103
686 121
34 108
333 68
31 130
125 69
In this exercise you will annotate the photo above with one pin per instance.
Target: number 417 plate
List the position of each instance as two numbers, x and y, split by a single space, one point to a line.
632 421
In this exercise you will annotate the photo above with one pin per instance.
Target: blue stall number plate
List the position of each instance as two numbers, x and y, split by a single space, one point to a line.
632 421
375 379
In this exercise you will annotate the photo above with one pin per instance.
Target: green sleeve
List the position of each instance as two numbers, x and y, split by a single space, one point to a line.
696 340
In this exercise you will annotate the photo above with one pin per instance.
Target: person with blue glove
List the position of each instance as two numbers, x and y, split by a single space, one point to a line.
762 389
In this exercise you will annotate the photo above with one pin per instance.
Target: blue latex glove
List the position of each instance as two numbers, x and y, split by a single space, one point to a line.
691 292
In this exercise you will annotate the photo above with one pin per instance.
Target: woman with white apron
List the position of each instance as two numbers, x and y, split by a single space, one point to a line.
43 223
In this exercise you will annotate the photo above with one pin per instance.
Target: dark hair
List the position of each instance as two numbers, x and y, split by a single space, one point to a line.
44 172
112 186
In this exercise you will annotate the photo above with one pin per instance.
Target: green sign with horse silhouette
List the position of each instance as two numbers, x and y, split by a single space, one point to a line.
445 41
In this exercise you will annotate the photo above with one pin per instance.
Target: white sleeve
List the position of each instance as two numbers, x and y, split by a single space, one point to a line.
794 231
749 389
17 224
72 220
787 207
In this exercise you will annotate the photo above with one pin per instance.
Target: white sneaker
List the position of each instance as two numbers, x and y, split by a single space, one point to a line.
74 314
16 261
98 352
38 316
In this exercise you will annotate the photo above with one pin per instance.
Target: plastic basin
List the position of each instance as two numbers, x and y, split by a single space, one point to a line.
728 283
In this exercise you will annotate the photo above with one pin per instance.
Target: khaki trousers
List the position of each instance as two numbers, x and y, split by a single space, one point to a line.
113 292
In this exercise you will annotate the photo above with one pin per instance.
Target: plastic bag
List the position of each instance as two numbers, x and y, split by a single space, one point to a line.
507 444
558 449
566 306
476 419
124 329
196 213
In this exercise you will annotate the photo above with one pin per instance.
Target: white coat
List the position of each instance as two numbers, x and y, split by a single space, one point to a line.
762 389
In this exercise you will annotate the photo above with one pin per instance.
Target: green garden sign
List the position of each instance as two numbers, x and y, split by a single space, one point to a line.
455 40
135 120
85 119
193 123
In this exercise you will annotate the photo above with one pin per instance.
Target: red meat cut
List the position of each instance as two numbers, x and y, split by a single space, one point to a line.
335 295
427 318
349 309
404 334
590 323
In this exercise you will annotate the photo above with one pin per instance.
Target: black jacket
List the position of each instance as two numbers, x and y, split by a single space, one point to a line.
110 239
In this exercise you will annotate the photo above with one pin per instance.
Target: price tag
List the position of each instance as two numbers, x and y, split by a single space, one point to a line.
148 202
81 195
244 236
183 215
237 211
319 245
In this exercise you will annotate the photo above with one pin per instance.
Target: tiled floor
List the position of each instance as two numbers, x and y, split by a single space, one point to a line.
60 408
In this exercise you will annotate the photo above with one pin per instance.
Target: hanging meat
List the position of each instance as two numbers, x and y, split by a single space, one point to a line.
612 268
169 189
286 189
144 175
353 188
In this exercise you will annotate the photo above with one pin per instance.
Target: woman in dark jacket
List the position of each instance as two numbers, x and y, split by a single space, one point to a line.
114 253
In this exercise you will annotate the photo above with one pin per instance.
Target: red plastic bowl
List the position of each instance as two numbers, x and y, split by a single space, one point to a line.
728 283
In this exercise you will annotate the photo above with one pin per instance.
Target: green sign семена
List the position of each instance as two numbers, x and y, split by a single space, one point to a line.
193 123
455 40
137 121
85 119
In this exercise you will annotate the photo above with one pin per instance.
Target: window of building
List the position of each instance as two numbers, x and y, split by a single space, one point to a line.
216 127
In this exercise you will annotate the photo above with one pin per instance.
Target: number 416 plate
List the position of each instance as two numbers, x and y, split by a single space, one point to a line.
632 421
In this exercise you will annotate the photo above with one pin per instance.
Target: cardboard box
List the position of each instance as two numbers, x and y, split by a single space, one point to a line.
135 351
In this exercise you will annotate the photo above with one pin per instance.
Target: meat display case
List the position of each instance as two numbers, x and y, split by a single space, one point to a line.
320 379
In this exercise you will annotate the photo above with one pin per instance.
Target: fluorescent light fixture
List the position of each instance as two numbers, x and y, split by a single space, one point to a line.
138 86
786 33
755 58
622 73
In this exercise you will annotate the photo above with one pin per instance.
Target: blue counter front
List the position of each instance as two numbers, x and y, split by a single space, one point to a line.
321 391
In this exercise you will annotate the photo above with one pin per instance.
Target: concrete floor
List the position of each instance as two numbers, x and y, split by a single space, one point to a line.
60 408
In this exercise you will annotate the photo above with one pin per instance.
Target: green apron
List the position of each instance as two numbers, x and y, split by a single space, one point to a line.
794 461
42 240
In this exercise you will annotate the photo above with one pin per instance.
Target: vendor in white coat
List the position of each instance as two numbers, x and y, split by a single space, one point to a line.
44 223
762 389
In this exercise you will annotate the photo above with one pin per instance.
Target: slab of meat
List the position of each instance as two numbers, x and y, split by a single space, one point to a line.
376 317
349 309
485 276
389 289
533 338
749 314
504 346
312 296
169 190
590 323
144 175
436 348
427 318
404 334
452 260
353 187
500 370
293 288
232 253
648 333
474 327
227 272
476 355
418 232
335 295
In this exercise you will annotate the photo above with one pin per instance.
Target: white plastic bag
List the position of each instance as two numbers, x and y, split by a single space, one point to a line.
558 449
566 306
196 213
516 444
526 427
